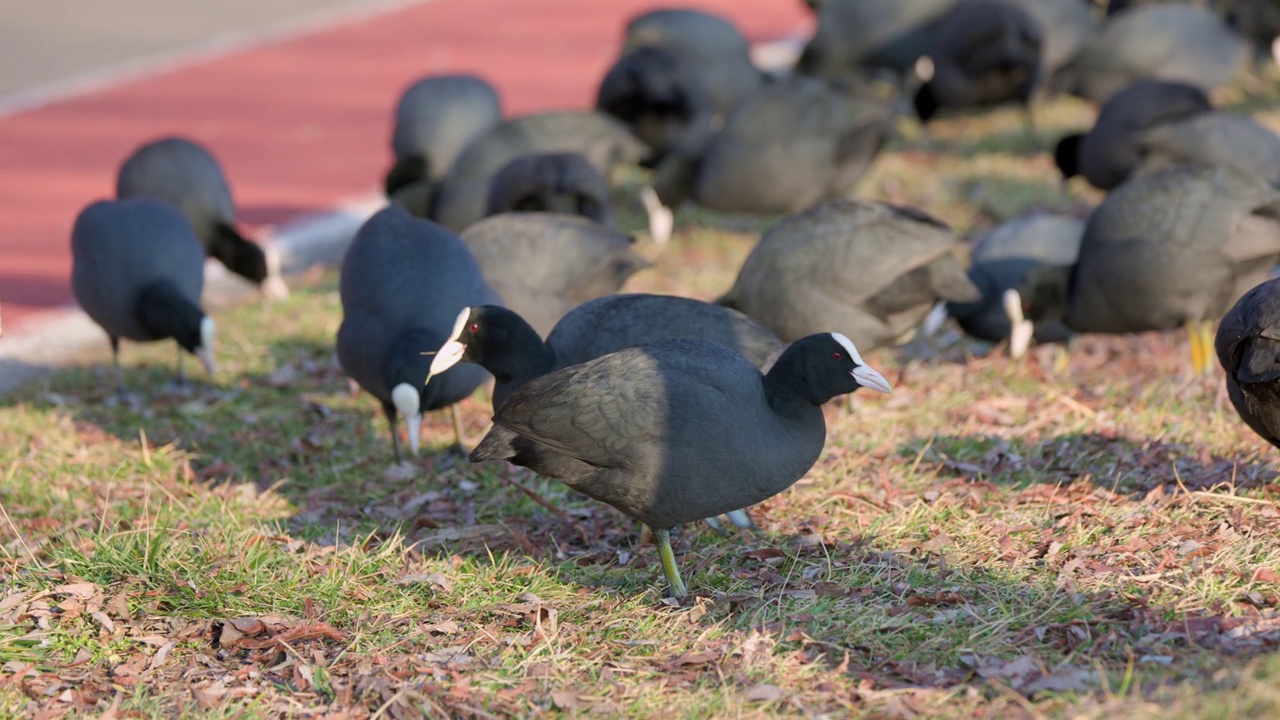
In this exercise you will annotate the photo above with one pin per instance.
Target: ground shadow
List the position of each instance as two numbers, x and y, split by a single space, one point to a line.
1133 466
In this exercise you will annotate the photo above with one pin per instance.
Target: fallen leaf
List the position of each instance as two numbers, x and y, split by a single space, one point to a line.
765 554
103 620
764 693
437 579
695 658
830 589
161 655
118 606
566 700
82 656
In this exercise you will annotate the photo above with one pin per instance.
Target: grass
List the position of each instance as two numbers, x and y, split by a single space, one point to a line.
1089 538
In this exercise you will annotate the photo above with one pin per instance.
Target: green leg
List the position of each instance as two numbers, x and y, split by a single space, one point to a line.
668 556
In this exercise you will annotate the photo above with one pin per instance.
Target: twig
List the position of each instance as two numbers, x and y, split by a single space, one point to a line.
534 496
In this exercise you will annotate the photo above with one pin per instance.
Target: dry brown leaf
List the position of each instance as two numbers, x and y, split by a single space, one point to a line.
696 658
106 622
764 693
161 655
118 606
82 656
765 554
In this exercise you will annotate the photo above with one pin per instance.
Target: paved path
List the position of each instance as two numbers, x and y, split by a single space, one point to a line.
302 123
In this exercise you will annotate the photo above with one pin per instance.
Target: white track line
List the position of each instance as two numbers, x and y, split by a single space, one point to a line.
200 51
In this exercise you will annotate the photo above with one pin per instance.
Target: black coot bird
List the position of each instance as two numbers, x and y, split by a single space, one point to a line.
714 46
1156 123
512 351
679 430
1248 345
464 193
545 264
510 348
787 146
138 271
435 119
1000 261
403 282
1165 41
551 182
187 176
1173 248
984 52
856 35
1109 152
871 268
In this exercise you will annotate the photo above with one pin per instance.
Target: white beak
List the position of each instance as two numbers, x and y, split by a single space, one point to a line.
407 402
205 355
450 354
934 320
273 286
868 378
1021 329
661 220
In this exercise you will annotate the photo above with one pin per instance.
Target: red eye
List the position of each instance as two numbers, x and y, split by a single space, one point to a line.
475 327
837 356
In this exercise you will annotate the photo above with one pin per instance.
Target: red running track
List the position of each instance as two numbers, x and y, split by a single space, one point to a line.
304 123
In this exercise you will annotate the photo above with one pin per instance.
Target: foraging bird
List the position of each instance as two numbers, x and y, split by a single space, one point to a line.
984 53
713 44
403 282
1065 25
1109 152
1154 124
854 35
512 351
545 264
679 430
1165 41
603 140
788 146
185 175
1000 261
436 118
1248 346
871 268
1172 248
663 95
562 183
138 271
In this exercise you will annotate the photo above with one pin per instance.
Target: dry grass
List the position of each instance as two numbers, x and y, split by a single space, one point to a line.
1088 538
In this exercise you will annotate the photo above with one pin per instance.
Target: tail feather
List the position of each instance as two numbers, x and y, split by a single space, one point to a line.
495 446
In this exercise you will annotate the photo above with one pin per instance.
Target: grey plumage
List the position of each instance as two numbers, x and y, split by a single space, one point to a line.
984 52
713 44
551 182
545 264
870 269
1001 260
786 147
1169 41
603 140
1174 246
436 117
855 34
185 175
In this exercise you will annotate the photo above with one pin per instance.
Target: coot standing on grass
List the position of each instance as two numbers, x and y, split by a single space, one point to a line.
679 430
508 347
138 271
403 282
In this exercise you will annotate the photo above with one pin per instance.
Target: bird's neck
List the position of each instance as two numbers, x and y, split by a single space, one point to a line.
166 313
